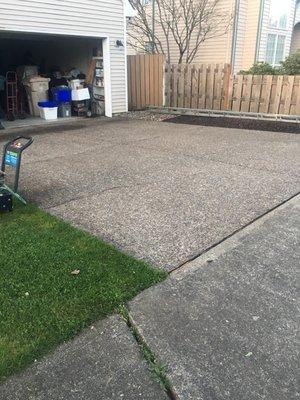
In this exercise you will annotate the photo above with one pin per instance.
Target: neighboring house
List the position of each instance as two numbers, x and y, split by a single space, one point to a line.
68 33
261 31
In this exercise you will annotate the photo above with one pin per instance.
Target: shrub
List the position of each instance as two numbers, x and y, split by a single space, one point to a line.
261 68
291 65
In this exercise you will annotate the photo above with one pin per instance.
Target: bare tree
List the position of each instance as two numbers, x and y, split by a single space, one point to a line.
187 23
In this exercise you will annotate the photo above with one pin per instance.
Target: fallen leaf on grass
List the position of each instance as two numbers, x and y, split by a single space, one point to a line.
75 272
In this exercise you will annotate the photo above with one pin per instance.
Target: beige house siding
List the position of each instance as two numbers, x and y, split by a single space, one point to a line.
252 26
214 50
248 43
218 49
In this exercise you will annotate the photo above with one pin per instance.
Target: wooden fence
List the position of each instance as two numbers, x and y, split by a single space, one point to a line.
279 94
145 81
212 87
197 86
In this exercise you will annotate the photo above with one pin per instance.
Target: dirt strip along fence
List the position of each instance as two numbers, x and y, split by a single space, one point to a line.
200 86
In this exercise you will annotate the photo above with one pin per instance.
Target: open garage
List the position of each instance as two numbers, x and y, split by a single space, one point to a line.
69 58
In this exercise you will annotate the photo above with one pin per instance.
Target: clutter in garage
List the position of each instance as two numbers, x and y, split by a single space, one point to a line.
42 87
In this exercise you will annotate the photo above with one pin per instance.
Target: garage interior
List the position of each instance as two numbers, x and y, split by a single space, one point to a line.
65 73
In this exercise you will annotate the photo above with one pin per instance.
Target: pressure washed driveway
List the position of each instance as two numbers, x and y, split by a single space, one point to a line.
160 191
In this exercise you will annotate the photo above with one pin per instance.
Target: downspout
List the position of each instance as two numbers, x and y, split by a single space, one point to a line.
234 34
259 30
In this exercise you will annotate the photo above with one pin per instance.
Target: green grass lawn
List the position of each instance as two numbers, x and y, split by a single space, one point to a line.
41 302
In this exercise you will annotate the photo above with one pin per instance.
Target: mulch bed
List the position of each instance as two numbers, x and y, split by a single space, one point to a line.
224 122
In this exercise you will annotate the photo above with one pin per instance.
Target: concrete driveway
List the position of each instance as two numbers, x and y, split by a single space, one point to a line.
160 191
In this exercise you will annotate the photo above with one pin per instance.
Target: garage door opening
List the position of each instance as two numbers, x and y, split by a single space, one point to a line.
66 72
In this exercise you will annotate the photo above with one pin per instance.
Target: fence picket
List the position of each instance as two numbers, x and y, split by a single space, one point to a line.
256 93
194 87
147 79
168 88
288 98
226 89
202 75
238 94
175 85
278 94
268 91
218 84
188 92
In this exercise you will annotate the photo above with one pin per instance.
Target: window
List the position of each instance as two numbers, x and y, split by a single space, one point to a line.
270 48
275 49
279 49
278 14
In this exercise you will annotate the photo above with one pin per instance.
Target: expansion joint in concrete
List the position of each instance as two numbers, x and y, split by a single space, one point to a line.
158 369
240 230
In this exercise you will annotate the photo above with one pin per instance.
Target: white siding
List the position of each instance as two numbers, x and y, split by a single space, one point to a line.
96 18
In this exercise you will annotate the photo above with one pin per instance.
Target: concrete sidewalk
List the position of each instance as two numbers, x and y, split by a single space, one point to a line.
102 363
227 325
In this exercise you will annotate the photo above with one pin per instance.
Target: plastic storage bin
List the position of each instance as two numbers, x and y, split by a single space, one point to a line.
37 91
64 110
75 83
61 94
80 94
48 110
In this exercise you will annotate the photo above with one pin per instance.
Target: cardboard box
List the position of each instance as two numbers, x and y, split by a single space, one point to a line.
80 94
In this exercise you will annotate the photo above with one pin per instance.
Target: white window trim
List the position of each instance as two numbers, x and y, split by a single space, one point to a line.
275 48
